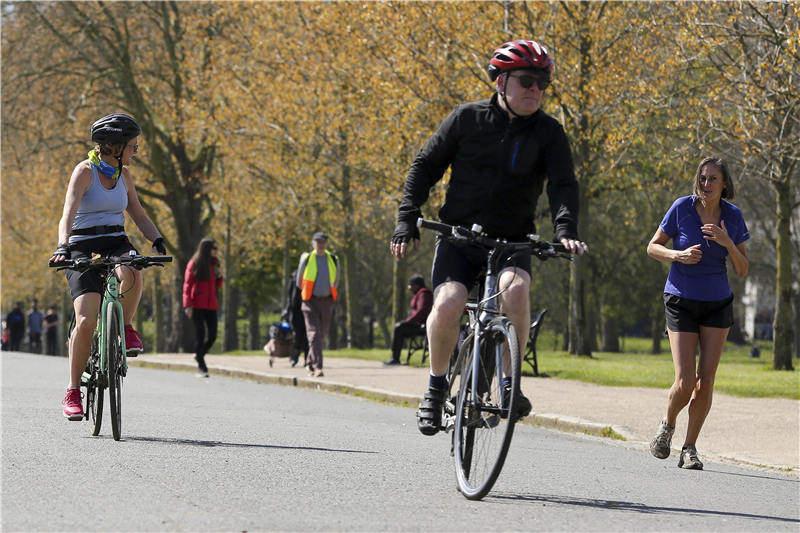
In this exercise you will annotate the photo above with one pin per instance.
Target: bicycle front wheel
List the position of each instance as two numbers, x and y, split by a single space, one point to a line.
484 423
115 368
95 391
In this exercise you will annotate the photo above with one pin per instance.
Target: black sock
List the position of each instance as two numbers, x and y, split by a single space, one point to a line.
506 381
438 382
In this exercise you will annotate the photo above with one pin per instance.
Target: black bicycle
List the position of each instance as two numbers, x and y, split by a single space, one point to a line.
484 376
107 364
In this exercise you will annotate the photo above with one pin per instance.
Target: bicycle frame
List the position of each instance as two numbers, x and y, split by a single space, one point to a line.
485 310
110 299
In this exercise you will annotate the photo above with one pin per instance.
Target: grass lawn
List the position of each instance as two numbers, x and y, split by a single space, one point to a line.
738 374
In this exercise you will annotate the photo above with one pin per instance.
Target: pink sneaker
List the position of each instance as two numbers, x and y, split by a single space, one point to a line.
133 342
73 409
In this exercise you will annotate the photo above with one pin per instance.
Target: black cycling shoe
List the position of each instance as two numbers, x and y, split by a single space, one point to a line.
522 407
429 414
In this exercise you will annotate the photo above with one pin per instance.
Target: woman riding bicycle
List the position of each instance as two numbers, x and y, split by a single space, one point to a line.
100 189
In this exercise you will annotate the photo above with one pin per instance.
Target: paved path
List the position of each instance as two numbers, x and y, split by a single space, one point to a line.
232 455
752 431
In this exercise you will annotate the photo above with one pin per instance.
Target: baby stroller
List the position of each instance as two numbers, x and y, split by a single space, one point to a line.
281 341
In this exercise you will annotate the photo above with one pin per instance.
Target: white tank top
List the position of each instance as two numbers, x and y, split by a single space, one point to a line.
101 207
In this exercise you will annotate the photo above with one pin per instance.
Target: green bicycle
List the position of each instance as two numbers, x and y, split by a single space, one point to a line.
107 365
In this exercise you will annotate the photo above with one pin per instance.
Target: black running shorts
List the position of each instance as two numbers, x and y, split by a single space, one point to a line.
91 280
688 315
464 263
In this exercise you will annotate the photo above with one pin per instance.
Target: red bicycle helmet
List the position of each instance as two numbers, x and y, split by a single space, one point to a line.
520 54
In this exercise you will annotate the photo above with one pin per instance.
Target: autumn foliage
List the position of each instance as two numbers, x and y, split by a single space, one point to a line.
264 122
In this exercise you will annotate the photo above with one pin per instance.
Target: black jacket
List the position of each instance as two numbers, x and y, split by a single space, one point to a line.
499 167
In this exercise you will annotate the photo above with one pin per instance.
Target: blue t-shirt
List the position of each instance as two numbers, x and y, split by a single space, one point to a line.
707 280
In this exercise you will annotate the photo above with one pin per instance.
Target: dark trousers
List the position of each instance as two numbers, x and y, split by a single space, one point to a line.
403 331
35 342
52 341
204 319
16 340
317 313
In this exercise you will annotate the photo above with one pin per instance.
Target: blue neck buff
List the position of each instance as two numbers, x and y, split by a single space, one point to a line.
104 168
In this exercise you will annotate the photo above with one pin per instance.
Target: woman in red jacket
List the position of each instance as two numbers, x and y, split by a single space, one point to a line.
200 283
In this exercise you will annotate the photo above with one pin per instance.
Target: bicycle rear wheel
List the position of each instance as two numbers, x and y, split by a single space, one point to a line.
484 425
115 364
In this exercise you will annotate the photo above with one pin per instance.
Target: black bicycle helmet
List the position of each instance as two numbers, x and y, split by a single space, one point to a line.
116 128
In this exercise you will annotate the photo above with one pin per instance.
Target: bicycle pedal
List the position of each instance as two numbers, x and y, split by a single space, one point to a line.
449 423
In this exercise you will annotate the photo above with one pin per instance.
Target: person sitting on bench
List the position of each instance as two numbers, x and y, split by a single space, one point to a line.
414 324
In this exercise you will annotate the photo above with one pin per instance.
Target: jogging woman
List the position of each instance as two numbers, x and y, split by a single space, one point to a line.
100 190
706 231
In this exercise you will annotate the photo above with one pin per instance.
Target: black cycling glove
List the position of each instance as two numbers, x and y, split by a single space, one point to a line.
158 246
63 249
405 232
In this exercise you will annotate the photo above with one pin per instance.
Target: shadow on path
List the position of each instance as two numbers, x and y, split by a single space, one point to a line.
787 479
217 443
629 506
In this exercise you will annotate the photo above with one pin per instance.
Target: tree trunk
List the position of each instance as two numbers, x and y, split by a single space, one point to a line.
371 329
591 318
333 336
181 337
348 297
254 335
64 323
230 340
158 314
398 291
579 342
797 322
782 325
385 331
656 330
287 272
610 331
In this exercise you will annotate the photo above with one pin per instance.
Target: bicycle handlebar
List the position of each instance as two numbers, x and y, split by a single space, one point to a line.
540 248
136 261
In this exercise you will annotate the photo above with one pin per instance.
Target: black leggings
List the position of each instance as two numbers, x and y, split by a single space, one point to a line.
204 318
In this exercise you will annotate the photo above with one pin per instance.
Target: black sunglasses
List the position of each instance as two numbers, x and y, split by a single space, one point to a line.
526 81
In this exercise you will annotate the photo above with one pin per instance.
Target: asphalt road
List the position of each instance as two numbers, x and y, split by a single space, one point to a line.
222 454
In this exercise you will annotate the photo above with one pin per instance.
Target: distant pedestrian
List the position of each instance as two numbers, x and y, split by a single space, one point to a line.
5 339
317 280
201 281
51 331
414 324
706 231
15 320
293 314
35 321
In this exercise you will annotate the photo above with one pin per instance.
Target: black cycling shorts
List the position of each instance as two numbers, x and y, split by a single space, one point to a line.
91 280
688 315
464 263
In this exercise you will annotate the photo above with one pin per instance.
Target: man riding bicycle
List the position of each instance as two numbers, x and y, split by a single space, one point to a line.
500 152
100 189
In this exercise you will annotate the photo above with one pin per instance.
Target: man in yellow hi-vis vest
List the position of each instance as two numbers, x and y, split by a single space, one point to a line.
317 280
